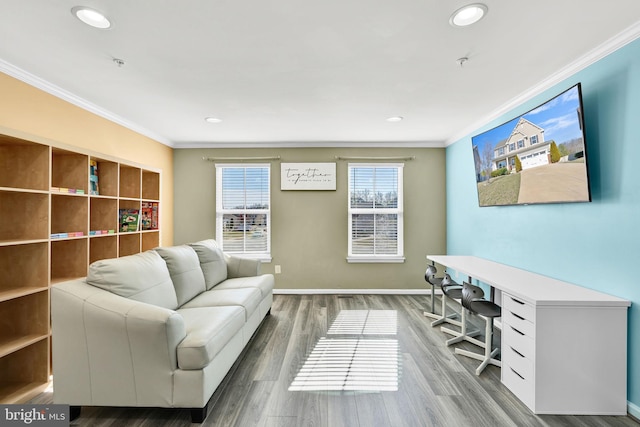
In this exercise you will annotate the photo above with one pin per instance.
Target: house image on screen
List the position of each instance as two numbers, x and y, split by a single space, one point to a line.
527 142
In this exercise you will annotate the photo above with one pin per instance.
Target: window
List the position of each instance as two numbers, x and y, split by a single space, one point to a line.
534 139
243 210
512 146
375 213
501 151
521 143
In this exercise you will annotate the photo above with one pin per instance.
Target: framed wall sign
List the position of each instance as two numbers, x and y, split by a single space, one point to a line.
307 176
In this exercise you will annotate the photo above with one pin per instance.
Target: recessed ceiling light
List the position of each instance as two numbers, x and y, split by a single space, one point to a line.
91 17
395 119
212 120
469 14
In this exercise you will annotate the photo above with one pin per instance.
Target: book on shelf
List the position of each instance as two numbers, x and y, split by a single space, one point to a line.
129 219
93 178
67 190
149 219
67 235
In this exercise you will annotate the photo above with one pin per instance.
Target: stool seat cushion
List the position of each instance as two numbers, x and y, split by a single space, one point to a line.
453 292
485 308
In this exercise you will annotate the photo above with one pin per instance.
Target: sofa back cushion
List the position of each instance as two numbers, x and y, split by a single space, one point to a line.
212 262
185 271
141 277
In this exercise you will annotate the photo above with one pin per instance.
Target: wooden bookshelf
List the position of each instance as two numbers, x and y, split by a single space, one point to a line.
52 226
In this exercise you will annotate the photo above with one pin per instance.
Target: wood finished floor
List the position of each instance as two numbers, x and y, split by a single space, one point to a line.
435 386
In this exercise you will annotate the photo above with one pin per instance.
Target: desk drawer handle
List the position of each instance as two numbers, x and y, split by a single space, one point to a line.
517 352
517 301
518 316
516 373
516 330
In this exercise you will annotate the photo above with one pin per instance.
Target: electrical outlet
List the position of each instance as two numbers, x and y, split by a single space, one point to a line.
278 269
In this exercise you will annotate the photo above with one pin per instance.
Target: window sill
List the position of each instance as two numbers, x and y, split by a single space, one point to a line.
375 259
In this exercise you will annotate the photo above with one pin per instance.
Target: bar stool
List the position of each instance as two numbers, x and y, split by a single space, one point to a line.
454 291
430 277
450 290
472 300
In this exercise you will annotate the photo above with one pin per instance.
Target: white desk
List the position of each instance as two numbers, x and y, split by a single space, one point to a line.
564 347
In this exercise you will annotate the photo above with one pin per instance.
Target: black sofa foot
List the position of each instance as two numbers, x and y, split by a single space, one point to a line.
198 414
74 412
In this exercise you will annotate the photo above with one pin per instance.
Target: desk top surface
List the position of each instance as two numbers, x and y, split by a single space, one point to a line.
532 287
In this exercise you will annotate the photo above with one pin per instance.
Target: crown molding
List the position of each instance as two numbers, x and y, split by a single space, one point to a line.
314 144
58 92
613 44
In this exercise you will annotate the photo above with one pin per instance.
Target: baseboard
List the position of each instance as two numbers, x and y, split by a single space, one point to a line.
633 410
354 291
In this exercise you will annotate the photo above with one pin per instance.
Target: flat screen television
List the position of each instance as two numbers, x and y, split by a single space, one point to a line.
538 157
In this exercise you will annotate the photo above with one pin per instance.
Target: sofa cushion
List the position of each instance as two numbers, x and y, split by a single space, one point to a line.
185 271
141 277
212 261
264 282
248 298
209 329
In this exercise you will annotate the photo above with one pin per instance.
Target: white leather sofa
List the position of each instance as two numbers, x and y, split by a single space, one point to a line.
157 329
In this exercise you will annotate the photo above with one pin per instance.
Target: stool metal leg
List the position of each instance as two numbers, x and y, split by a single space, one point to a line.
432 314
489 353
444 318
463 335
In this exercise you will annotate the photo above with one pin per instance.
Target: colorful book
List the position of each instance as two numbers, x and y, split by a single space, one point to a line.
129 219
93 178
149 219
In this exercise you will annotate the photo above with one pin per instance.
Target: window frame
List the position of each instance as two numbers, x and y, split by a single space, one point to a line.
220 211
377 258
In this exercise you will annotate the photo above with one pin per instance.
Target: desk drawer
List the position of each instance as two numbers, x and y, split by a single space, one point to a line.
518 322
516 339
519 307
523 388
516 360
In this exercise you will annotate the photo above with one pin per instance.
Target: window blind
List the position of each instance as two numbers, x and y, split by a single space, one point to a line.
375 210
243 208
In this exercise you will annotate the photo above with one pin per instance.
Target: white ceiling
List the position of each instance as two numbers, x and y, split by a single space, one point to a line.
300 72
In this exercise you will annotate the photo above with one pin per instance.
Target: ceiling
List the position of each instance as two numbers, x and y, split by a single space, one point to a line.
306 73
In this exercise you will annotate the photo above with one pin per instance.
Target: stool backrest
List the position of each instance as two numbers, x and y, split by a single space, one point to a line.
430 274
446 280
469 293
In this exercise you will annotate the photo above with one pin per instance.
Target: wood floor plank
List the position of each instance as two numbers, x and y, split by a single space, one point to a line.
435 387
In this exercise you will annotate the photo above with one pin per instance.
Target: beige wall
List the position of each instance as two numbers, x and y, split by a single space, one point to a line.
29 112
309 228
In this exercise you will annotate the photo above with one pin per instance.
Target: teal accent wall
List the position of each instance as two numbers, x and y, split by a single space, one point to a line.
595 245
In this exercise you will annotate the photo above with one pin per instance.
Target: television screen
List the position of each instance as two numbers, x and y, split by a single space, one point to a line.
538 157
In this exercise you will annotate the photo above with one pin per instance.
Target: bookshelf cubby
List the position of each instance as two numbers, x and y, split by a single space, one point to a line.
23 164
129 244
150 240
23 216
150 185
103 247
130 182
103 215
69 214
25 269
108 177
52 226
69 259
69 170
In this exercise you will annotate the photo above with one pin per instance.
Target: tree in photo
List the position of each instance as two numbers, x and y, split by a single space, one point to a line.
555 153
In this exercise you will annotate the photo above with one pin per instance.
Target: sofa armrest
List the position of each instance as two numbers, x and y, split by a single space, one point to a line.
110 350
241 267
